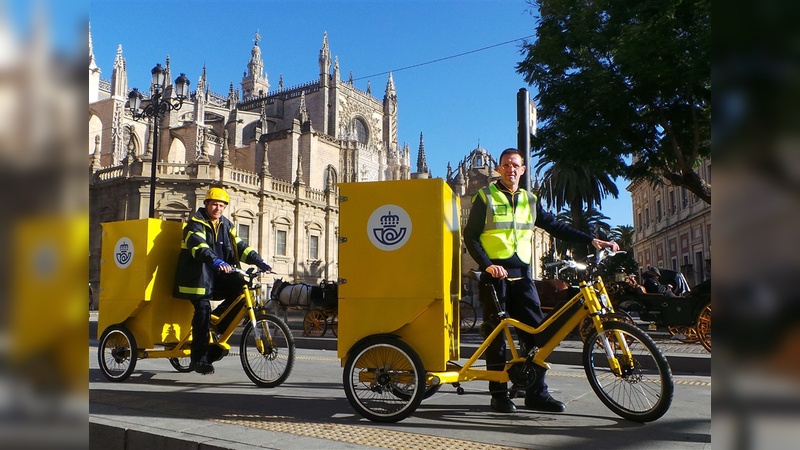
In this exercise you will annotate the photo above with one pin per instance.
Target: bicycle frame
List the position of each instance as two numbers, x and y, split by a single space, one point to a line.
587 303
248 296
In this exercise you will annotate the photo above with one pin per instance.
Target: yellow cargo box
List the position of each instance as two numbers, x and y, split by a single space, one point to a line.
399 266
137 271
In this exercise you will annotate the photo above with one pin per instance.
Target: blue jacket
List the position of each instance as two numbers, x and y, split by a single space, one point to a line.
200 246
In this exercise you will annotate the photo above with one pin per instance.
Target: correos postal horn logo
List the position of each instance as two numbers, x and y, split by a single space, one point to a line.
123 252
389 227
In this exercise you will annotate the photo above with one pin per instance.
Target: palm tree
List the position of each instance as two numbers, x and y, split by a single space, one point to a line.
573 184
623 234
590 221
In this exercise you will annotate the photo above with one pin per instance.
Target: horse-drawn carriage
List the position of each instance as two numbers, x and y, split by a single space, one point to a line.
319 301
686 315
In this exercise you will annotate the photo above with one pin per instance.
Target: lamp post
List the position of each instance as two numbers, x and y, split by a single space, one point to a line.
156 109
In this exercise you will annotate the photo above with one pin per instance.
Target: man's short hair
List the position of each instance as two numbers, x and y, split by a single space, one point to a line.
510 151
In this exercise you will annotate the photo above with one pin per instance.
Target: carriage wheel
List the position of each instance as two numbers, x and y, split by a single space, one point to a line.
315 323
704 327
689 333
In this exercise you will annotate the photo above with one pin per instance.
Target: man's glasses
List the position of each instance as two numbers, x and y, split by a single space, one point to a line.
511 166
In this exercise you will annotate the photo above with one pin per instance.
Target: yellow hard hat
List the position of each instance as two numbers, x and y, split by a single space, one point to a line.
219 194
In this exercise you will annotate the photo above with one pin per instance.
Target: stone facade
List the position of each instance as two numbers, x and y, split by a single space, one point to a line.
278 153
672 228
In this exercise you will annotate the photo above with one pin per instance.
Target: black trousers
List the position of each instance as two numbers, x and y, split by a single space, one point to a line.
520 301
226 286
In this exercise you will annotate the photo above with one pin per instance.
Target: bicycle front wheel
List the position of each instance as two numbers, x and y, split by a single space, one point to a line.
271 367
117 353
643 391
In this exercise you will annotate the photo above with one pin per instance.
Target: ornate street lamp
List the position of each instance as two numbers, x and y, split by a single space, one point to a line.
156 109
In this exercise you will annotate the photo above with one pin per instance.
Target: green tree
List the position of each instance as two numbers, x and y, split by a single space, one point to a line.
589 221
623 235
624 80
566 182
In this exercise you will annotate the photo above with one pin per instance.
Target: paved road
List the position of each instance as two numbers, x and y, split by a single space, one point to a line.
158 408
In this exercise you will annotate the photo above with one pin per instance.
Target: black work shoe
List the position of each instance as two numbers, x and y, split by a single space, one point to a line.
548 404
202 367
503 405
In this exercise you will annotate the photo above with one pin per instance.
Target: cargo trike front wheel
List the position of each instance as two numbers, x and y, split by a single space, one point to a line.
117 353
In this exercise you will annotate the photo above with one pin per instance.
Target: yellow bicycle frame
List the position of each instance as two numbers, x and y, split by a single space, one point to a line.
587 303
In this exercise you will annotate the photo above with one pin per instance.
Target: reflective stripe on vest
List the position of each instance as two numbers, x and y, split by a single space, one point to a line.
507 230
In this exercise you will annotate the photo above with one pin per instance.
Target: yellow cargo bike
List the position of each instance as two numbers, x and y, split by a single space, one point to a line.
399 290
138 317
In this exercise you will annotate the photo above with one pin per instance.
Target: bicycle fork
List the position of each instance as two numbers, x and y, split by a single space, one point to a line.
257 331
596 309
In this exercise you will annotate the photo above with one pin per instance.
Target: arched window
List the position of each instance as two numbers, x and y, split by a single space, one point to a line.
360 131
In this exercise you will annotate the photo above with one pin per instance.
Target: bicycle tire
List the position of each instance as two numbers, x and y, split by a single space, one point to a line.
273 367
467 315
116 353
644 391
376 369
334 326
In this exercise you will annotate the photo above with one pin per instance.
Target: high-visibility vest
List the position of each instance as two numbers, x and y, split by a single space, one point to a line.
507 230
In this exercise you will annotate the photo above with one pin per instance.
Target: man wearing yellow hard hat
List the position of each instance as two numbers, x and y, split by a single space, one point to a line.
209 251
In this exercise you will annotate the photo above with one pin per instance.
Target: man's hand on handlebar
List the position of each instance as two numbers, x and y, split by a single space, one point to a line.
611 245
222 266
264 267
497 271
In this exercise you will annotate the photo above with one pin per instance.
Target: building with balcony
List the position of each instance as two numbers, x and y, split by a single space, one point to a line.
672 228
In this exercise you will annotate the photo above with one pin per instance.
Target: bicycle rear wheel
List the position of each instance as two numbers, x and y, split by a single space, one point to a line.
643 391
273 366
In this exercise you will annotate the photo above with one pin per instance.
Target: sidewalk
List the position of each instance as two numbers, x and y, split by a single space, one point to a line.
161 409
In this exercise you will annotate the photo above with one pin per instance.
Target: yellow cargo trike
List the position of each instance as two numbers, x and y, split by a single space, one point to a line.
138 317
399 291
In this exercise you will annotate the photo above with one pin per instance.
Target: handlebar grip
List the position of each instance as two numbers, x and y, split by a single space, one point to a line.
553 264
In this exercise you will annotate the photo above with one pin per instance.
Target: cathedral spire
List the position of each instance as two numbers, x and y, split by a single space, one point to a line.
422 164
167 75
324 56
119 76
255 82
92 62
94 72
390 87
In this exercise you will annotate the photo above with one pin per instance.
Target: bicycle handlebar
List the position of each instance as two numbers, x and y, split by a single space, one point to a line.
251 272
601 254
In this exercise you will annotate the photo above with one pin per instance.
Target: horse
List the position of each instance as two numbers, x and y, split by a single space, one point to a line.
302 295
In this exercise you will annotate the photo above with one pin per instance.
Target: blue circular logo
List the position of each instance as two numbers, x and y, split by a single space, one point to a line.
389 227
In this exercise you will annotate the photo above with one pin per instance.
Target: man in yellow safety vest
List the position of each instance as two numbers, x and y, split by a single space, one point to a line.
498 236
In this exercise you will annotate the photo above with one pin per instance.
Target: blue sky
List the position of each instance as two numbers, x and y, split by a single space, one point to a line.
456 103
